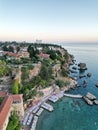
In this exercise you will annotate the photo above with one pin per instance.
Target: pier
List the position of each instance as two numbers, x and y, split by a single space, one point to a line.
56 97
47 106
33 126
73 96
40 111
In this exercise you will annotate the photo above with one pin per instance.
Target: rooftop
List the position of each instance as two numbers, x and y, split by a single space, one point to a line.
6 105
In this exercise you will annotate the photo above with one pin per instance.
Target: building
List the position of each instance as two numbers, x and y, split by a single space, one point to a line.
2 53
11 56
10 103
17 56
24 54
44 56
38 41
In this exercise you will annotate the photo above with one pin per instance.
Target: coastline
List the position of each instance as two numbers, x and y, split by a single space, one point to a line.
37 103
90 120
36 108
49 93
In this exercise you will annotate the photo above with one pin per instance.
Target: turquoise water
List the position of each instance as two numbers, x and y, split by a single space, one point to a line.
75 114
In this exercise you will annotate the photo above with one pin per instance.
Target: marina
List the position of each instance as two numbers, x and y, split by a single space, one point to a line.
34 112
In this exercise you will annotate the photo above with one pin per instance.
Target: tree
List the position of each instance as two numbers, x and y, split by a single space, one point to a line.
1 99
43 83
40 93
66 56
25 73
52 54
31 51
4 48
60 83
18 48
3 68
13 123
44 72
15 89
64 72
11 49
26 92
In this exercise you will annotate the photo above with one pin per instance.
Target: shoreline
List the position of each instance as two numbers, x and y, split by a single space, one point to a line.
36 107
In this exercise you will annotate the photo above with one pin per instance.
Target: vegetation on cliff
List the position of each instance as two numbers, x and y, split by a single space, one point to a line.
14 123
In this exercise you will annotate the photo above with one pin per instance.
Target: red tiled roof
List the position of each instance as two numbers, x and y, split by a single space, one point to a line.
44 55
17 97
4 110
3 94
6 105
12 54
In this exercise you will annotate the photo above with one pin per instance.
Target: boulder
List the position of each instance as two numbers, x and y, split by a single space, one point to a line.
89 75
96 102
90 96
84 83
82 66
82 76
89 102
72 71
96 84
74 68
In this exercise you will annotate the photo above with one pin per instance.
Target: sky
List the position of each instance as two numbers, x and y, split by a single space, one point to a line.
49 20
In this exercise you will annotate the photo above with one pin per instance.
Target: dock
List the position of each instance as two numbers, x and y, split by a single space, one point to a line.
36 109
53 98
73 96
33 126
40 111
47 106
56 97
30 119
26 119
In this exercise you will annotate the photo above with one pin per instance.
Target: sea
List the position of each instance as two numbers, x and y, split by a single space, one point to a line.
71 113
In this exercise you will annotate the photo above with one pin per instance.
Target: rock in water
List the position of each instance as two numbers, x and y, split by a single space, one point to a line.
82 76
82 66
84 83
74 68
96 102
96 84
89 102
89 75
90 96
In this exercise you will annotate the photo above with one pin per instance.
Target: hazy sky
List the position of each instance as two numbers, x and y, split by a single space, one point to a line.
49 20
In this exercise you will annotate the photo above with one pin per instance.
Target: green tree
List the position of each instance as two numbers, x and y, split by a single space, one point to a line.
18 48
15 89
11 49
31 51
64 72
52 54
4 48
44 72
60 83
13 123
3 68
43 83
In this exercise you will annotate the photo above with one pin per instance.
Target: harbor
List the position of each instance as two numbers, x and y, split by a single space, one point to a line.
31 118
